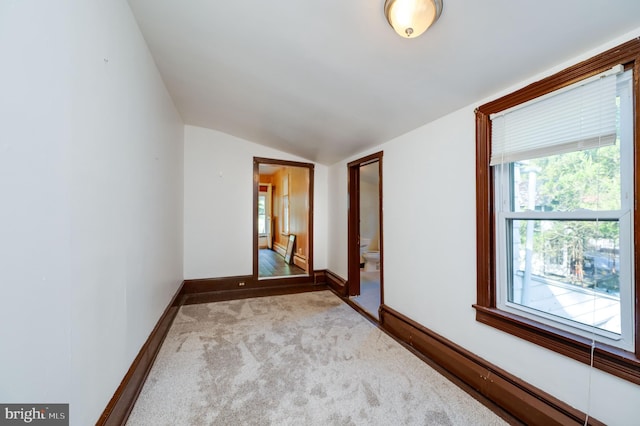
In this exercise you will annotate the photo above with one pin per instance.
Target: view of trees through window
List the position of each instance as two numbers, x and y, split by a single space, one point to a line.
576 254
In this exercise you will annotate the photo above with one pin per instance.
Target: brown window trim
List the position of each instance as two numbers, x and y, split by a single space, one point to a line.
615 361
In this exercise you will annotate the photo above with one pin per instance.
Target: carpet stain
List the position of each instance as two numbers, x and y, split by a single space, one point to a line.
236 308
196 312
338 420
300 401
319 391
182 339
372 399
437 418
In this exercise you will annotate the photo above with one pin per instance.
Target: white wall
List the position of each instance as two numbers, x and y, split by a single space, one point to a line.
91 163
338 208
430 258
35 250
218 204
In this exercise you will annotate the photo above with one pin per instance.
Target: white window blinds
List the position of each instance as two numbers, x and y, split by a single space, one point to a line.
578 117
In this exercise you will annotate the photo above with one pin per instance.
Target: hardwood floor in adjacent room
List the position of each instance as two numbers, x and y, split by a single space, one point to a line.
271 264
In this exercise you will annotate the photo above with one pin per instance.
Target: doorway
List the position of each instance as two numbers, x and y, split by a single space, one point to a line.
365 249
283 221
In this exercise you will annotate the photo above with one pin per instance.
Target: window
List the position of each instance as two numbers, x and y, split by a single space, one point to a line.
555 196
262 214
563 214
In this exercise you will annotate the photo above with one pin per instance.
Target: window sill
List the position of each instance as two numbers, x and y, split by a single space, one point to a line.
623 364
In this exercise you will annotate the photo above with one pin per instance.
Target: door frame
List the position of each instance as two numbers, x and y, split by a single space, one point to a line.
353 232
300 279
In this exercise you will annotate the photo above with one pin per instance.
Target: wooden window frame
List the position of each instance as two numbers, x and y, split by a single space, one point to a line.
623 364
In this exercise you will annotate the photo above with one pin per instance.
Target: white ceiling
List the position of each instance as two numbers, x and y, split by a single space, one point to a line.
327 79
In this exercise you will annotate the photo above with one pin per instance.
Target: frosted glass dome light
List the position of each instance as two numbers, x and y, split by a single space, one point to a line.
410 18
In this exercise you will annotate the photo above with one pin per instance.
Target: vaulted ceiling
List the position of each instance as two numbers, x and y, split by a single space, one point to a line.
327 79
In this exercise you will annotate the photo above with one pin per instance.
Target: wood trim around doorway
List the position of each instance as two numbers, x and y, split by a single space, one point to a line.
310 196
353 232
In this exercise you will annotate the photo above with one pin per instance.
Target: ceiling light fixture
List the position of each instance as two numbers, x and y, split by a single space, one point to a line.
410 18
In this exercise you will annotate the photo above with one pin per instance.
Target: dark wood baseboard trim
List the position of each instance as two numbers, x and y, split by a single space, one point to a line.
245 286
242 283
336 283
320 276
191 292
121 404
236 294
204 285
517 397
360 310
340 288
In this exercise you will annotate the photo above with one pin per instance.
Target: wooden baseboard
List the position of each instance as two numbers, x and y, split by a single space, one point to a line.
190 292
121 404
243 286
209 290
300 261
218 296
336 283
205 285
517 397
280 249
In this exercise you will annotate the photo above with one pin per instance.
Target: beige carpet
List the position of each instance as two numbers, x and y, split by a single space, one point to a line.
303 359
